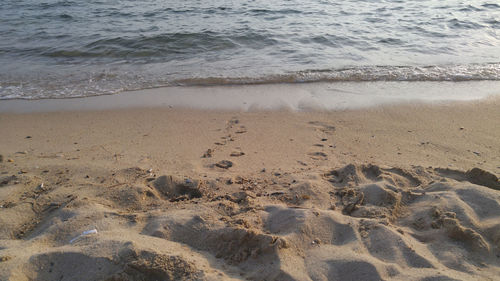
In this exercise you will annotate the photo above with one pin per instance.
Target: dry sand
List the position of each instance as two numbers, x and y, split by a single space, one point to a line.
406 192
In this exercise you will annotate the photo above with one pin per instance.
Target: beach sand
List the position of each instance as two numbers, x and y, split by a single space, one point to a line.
395 192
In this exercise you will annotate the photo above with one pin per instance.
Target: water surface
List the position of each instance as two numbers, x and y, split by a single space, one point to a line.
61 48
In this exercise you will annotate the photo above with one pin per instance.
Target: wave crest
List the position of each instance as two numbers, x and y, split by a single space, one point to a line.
102 83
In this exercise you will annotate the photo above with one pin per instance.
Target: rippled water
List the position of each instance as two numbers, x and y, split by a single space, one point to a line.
58 48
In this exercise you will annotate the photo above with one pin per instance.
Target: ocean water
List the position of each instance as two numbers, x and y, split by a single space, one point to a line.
62 48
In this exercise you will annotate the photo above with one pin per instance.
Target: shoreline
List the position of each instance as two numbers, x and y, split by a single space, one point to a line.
317 96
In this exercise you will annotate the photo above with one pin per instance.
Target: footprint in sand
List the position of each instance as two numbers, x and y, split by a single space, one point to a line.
323 127
325 130
241 130
232 128
233 121
208 153
318 155
237 153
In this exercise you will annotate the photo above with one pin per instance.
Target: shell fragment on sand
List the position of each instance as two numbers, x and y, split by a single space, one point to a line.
85 233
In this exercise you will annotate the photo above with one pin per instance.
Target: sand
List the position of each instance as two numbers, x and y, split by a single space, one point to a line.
399 192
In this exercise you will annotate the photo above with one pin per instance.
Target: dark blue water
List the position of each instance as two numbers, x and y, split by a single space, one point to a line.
57 48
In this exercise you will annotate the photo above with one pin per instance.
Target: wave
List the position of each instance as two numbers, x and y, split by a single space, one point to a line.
102 83
455 73
160 47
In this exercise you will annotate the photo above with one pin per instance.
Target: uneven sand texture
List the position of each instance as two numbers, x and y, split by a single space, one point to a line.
394 193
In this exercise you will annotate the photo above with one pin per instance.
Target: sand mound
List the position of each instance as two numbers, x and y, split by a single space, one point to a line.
358 222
